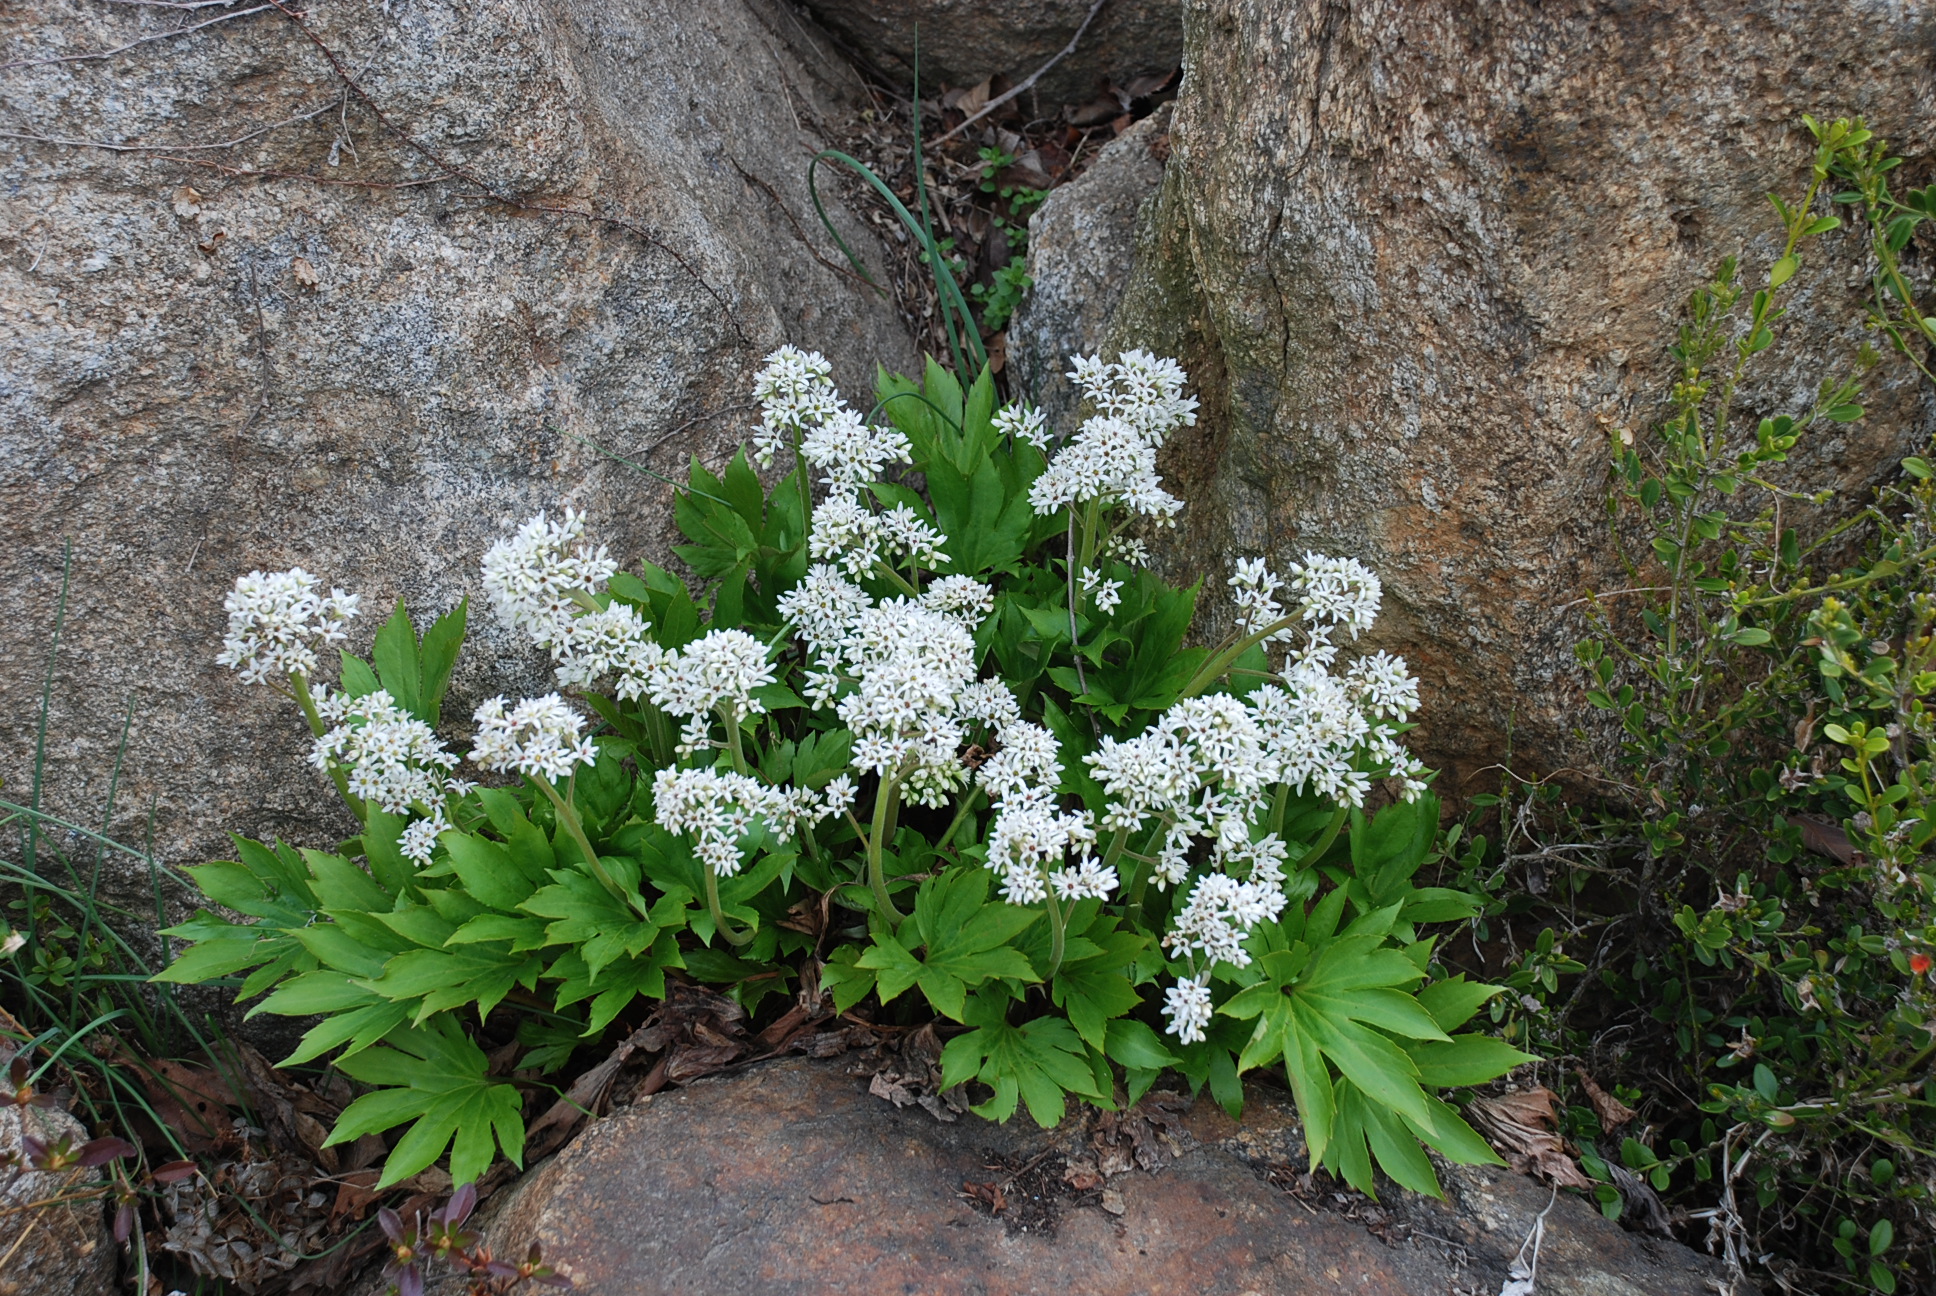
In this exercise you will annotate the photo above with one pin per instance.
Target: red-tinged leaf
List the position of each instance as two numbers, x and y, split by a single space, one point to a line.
100 1151
175 1172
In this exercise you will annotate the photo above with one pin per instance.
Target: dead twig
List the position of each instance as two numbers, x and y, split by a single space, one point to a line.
1033 77
145 40
173 147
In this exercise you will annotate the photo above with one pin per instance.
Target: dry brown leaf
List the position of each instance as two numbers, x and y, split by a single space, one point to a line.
305 273
1520 1125
1824 837
1612 1112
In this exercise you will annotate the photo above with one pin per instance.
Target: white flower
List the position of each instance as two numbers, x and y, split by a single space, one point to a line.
962 597
419 840
721 671
1024 422
1128 549
988 702
1110 460
590 645
392 759
1218 915
796 392
911 665
1139 401
531 577
1337 592
718 807
1187 1005
12 944
1029 758
541 736
1386 686
275 618
1086 879
1106 594
905 534
851 452
845 529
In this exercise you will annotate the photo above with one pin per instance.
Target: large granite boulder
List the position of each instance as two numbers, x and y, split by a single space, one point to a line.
359 290
1424 261
792 1180
966 41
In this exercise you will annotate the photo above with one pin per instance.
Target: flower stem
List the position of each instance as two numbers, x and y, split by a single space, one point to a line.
885 802
806 489
300 687
961 817
1220 662
1058 928
1325 838
733 935
575 829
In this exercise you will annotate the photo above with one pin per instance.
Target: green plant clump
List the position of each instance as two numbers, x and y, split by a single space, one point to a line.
945 704
1762 921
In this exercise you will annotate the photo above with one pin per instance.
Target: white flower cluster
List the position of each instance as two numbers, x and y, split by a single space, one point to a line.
393 760
846 529
1030 840
1207 767
1329 594
539 736
718 806
534 577
276 618
1139 401
1105 594
796 392
1025 423
541 584
900 674
718 672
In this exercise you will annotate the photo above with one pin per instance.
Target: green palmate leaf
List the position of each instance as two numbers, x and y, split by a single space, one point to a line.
1453 1002
488 870
1092 991
618 983
1038 1062
965 940
987 525
482 973
1463 1060
358 679
436 1078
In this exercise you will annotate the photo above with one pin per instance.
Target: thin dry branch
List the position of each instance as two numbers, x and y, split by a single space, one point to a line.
1033 77
145 40
172 147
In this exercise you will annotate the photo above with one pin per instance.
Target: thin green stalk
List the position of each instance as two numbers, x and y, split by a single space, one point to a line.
1218 663
299 689
882 569
733 935
1329 835
884 804
575 829
1058 929
961 816
806 489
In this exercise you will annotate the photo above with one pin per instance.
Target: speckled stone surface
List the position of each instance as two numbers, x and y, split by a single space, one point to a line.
789 1179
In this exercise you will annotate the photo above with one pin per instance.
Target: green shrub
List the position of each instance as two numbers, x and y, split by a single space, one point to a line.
1757 902
950 703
